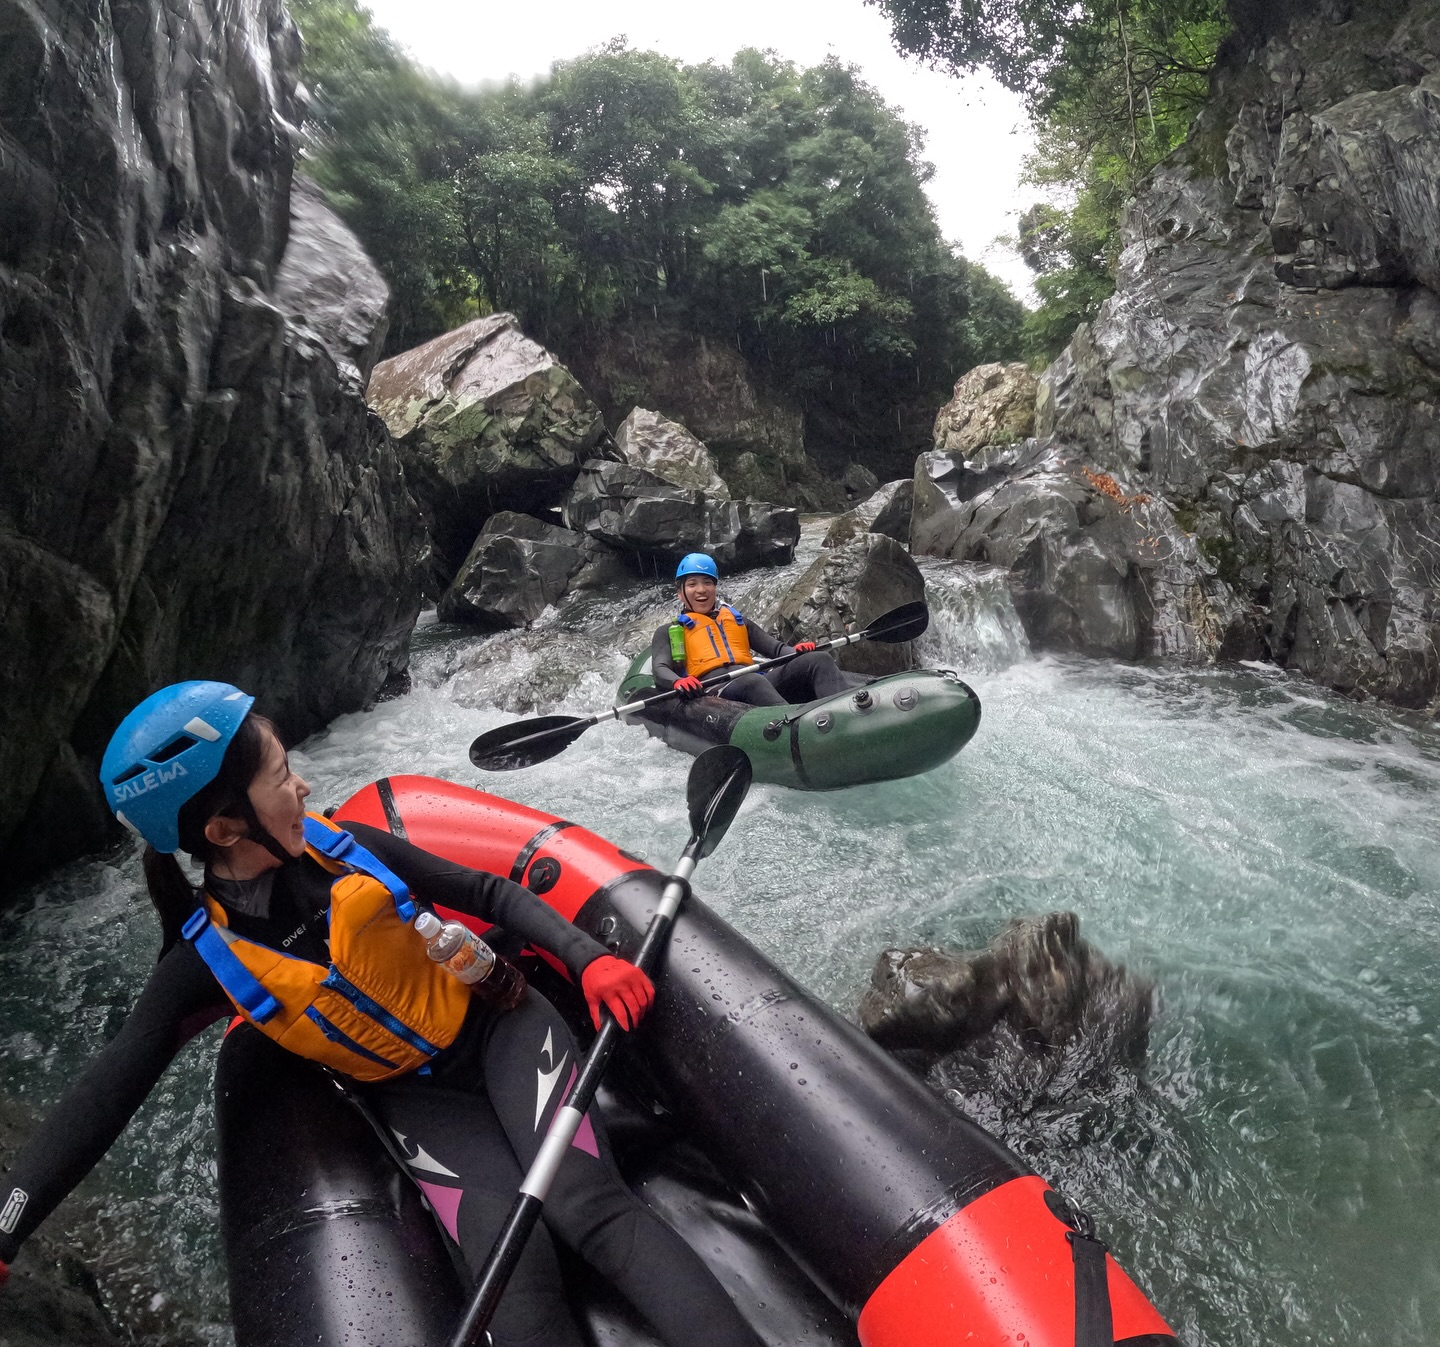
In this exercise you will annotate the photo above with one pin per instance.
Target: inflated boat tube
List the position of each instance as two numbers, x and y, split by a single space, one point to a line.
912 1218
325 1239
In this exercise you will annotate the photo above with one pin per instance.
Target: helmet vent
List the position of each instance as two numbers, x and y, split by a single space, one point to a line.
173 749
133 772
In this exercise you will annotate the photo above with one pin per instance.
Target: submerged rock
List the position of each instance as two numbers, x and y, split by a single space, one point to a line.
846 588
636 511
1267 364
886 511
518 567
487 420
992 404
669 451
1038 976
191 484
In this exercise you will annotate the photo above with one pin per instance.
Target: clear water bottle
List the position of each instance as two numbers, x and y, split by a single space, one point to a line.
471 960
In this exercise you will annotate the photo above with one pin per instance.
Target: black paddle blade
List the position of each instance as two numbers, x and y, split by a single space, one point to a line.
526 742
905 623
715 791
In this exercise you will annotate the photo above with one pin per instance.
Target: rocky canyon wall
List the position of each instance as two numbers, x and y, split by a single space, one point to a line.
1241 455
190 482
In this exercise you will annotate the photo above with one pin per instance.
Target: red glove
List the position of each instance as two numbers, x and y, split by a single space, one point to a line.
804 647
689 686
4 1272
625 991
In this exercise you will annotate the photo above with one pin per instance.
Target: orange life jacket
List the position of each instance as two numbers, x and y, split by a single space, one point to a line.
381 1007
711 642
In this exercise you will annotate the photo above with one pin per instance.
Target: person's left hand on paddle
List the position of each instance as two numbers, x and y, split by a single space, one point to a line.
620 987
804 647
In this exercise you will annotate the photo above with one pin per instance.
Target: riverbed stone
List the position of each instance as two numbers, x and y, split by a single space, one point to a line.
519 566
486 420
191 484
665 448
843 590
1038 975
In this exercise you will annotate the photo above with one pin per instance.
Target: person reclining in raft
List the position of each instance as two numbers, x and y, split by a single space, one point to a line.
295 912
710 636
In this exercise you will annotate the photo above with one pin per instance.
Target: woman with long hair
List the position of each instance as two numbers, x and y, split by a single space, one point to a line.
306 930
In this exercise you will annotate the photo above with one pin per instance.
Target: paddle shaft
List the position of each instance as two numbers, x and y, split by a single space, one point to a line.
505 1254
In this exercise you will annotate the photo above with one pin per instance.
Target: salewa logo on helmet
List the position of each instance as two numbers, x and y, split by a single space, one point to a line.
14 1205
156 776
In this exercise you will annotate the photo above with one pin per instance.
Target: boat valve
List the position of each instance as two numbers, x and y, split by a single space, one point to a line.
863 700
906 698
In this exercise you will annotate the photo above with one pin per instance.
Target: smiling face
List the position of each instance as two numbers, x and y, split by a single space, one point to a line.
278 797
697 593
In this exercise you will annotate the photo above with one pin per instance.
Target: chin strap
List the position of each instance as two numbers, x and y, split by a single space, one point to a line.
255 831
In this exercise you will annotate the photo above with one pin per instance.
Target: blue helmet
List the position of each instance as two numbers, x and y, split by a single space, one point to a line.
697 563
165 750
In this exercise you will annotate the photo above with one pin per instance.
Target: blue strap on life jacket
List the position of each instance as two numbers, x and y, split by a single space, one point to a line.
686 621
734 612
237 981
343 848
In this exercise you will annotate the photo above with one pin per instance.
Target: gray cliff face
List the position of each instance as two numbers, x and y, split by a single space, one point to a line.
1270 363
191 485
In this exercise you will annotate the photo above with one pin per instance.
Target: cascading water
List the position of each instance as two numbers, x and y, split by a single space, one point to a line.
1268 853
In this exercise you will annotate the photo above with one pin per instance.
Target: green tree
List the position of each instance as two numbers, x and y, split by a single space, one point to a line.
1112 86
779 209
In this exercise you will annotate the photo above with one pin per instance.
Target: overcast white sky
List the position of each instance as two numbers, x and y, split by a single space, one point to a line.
976 132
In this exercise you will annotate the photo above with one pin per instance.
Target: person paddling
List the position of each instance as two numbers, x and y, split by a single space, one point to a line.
709 636
307 931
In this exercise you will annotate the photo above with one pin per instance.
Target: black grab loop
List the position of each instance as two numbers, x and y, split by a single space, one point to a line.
1094 1324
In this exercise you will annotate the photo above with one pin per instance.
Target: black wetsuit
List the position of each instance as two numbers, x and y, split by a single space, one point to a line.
470 1128
812 676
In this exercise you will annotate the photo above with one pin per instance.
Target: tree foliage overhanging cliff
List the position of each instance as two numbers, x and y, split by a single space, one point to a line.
779 209
1112 86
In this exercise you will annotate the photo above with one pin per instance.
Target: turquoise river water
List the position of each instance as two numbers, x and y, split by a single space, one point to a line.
1268 853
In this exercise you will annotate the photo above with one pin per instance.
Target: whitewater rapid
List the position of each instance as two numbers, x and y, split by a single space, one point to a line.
1268 853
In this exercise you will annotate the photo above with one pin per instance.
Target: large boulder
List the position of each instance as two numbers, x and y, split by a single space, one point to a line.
669 451
992 404
518 567
755 432
846 588
191 485
634 510
486 420
887 511
1093 567
1270 362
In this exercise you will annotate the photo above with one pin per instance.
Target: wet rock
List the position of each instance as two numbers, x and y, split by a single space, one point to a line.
1268 364
669 451
887 511
992 404
628 508
1093 567
327 283
518 567
1038 977
859 482
846 588
486 420
191 483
